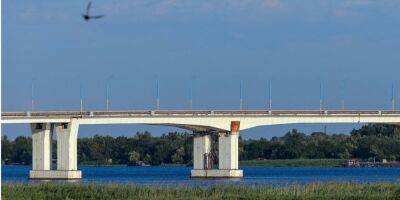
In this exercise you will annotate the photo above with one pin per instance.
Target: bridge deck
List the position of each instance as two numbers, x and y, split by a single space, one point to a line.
193 113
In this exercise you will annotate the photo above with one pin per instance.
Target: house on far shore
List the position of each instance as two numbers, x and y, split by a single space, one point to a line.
353 163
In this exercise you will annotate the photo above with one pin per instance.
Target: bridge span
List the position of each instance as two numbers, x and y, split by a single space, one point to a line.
225 123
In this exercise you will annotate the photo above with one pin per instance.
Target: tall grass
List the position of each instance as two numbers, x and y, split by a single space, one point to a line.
295 163
312 191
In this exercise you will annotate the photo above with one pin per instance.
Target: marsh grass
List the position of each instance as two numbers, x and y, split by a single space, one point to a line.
311 191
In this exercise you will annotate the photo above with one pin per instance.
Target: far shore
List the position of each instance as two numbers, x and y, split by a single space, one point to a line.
260 163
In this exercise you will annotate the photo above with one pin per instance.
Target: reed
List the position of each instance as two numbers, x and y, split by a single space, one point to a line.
311 191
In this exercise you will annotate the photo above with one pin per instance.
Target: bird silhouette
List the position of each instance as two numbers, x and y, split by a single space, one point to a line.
87 16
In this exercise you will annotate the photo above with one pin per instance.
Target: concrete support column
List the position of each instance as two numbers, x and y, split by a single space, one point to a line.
67 138
41 146
201 148
228 152
67 134
201 155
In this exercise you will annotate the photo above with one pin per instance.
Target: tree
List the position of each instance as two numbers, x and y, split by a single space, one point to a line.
177 158
134 157
6 149
22 150
147 159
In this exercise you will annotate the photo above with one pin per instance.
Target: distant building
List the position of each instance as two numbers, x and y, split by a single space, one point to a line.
353 163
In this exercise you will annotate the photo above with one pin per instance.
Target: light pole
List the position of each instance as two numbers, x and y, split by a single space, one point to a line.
81 95
157 95
108 92
241 95
270 94
191 85
393 98
321 96
33 95
343 95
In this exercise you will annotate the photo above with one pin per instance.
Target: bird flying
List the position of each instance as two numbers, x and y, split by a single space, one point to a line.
87 15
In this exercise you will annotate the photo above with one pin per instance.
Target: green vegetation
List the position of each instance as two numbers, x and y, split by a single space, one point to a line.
369 142
295 163
312 191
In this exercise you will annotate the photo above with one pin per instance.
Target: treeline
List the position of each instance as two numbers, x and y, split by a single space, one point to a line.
372 141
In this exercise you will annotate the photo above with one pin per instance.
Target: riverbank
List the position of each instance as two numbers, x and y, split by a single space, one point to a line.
264 163
311 191
295 163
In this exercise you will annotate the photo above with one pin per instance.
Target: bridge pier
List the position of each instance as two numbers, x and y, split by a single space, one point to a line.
41 149
228 153
66 152
201 155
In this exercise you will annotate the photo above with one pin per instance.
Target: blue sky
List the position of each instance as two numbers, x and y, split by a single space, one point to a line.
351 46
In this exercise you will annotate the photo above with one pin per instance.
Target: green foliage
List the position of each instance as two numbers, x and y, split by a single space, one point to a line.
17 151
134 156
178 156
311 191
370 141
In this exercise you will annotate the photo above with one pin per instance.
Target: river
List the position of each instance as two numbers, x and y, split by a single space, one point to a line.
179 176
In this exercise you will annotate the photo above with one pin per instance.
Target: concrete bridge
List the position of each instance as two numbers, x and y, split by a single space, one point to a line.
226 124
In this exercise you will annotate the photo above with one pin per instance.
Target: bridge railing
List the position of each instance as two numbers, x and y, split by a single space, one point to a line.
196 113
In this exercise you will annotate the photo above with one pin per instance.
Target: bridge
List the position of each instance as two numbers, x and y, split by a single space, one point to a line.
224 123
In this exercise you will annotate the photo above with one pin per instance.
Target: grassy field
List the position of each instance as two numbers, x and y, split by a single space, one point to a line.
295 163
312 191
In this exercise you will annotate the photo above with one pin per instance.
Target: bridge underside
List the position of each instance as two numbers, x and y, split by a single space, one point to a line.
195 128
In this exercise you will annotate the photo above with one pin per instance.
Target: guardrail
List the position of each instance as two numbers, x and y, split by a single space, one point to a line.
196 113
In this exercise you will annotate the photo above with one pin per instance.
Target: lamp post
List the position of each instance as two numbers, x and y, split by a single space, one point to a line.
393 98
270 95
33 95
241 95
321 96
191 85
157 95
108 92
81 95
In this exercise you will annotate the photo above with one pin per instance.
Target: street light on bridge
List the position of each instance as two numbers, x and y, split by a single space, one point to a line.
81 94
241 95
108 92
270 95
393 98
157 95
321 96
191 85
33 95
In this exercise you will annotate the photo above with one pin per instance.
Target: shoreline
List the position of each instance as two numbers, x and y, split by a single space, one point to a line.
261 163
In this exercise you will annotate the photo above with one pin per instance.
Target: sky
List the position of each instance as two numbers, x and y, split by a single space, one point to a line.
351 47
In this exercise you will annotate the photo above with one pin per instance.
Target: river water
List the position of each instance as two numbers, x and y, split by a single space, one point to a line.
180 176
